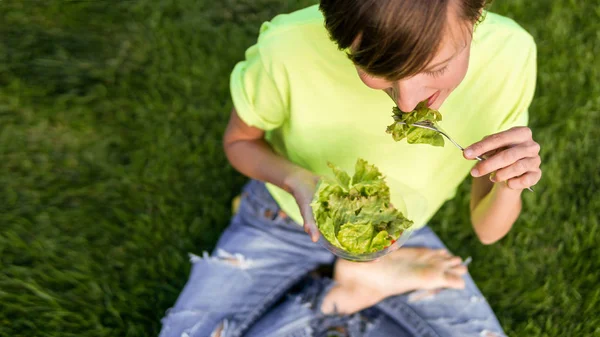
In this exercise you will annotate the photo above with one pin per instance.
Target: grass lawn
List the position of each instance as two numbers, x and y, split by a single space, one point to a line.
111 114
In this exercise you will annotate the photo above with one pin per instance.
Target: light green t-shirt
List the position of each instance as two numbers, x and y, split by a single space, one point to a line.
299 87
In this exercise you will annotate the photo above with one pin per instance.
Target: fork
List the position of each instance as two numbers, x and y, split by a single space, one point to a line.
429 125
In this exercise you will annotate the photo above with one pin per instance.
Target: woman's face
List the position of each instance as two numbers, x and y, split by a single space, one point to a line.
440 77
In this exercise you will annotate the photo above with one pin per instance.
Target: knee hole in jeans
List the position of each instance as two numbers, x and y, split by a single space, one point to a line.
220 329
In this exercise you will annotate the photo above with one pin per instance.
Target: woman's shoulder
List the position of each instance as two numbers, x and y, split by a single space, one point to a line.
298 36
502 48
290 28
502 31
290 22
501 80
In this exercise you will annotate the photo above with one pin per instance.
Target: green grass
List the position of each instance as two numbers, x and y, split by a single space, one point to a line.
112 170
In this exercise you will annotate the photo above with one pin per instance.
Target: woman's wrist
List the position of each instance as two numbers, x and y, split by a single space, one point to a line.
296 177
496 212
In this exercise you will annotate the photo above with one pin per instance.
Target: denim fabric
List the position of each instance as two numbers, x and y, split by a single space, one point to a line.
258 283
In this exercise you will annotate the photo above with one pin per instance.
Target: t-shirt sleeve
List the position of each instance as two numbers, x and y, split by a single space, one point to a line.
259 89
518 115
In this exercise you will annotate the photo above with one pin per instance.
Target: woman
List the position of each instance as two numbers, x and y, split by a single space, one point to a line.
316 88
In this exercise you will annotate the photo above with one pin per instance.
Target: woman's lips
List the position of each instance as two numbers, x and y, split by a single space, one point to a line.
432 98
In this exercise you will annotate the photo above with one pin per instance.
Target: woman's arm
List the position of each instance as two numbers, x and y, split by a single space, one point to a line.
515 162
249 153
494 209
252 156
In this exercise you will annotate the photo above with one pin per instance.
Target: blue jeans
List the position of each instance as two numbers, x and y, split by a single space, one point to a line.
260 282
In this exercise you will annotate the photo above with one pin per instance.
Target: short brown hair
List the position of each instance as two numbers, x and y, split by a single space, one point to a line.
396 38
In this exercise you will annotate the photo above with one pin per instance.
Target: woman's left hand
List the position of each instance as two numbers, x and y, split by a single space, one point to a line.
512 154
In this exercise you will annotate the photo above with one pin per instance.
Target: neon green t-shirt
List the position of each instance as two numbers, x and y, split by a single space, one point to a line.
300 88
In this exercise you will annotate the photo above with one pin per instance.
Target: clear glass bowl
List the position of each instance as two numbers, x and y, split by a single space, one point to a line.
366 256
399 204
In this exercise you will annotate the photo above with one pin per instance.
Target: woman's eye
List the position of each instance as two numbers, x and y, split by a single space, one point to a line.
436 73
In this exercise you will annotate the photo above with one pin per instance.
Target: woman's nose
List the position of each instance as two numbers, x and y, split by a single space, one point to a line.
406 95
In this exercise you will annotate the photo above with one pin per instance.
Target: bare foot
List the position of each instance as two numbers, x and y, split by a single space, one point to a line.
363 284
403 270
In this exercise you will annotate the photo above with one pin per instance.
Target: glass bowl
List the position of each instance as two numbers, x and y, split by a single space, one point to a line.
400 204
365 257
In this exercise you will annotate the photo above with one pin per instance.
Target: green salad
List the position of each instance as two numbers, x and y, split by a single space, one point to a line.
415 135
354 213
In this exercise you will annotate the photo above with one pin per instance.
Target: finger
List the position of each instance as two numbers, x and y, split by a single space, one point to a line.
454 281
512 136
517 169
309 223
505 158
312 231
526 180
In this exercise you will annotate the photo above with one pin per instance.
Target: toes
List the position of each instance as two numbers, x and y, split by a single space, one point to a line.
409 253
445 262
428 252
452 262
443 252
454 281
458 270
434 254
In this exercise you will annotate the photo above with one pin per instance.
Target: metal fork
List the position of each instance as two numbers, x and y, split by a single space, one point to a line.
433 127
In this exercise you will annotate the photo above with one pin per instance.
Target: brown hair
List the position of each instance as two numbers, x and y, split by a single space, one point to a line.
392 39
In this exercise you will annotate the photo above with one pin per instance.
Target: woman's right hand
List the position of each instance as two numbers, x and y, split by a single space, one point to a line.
302 184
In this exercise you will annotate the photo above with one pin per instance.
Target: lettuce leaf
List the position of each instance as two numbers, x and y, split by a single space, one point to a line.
424 136
355 213
365 173
415 135
355 237
380 241
342 177
328 231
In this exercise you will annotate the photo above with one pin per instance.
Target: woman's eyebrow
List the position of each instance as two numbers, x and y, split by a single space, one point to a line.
446 60
439 63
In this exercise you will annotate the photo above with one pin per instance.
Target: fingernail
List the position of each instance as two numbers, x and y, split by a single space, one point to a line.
474 172
468 152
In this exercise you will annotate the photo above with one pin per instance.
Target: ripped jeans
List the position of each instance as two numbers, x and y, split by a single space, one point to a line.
259 283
